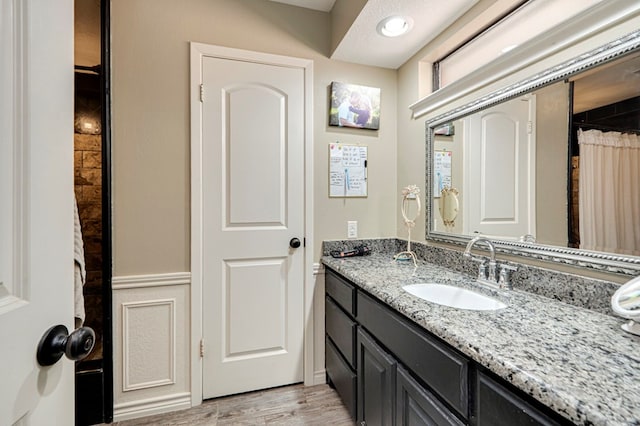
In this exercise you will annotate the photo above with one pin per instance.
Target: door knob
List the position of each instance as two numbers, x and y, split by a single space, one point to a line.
57 342
294 243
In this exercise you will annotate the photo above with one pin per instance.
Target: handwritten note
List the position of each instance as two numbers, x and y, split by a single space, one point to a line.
441 171
347 170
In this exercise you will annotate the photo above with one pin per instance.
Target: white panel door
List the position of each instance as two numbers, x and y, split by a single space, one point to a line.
253 205
36 207
499 157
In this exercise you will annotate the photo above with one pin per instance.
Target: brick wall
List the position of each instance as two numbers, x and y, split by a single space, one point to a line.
88 189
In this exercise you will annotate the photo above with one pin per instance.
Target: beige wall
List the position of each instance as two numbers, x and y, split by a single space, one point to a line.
552 104
150 54
151 117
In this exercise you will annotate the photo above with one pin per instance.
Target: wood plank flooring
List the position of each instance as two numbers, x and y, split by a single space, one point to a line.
288 405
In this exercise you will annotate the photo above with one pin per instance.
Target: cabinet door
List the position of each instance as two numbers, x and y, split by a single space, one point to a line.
376 383
498 406
341 377
415 406
434 362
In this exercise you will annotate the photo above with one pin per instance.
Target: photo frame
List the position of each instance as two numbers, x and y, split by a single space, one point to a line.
354 106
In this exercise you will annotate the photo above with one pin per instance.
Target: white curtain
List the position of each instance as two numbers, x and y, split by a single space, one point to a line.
609 191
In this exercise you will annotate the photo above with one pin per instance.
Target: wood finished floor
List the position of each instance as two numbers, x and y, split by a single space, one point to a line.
288 405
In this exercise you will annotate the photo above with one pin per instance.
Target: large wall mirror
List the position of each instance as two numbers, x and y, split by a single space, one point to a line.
528 164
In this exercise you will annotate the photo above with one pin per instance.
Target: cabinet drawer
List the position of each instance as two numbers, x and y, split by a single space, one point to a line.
416 406
342 291
442 369
344 380
495 405
342 331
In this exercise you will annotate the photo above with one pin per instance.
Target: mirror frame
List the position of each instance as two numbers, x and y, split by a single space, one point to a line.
607 262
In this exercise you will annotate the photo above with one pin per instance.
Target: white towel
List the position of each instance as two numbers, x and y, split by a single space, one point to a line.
80 274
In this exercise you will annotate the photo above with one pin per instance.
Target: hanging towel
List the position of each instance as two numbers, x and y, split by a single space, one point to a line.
80 274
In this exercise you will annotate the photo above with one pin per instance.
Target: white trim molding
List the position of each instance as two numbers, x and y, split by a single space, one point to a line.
151 406
127 309
320 373
151 280
318 269
585 25
151 353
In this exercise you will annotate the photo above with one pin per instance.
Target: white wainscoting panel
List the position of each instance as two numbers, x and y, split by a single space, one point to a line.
151 344
149 352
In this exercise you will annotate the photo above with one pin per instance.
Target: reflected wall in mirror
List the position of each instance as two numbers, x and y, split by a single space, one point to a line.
523 167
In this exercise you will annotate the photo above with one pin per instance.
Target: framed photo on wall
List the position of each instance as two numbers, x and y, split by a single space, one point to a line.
354 106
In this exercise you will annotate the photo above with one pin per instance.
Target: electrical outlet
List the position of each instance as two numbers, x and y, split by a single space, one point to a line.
352 229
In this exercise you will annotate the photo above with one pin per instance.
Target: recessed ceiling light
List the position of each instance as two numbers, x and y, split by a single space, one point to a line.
394 26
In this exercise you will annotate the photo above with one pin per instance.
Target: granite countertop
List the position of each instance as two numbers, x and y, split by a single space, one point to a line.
574 360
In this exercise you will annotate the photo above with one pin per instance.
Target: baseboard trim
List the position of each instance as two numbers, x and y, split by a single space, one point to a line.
150 280
320 377
151 406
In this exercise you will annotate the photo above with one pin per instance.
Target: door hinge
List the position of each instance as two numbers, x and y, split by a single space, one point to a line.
529 127
202 348
304 242
202 93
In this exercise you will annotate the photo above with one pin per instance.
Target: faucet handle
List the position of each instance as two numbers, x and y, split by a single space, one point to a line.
504 280
482 267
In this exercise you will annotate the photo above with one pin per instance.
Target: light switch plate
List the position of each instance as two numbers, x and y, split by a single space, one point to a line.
352 229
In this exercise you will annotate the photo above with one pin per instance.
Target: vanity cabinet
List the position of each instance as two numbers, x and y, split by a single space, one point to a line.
495 405
340 339
415 405
440 367
389 371
376 382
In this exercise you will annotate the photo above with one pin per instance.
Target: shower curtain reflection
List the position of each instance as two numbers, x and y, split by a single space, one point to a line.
609 197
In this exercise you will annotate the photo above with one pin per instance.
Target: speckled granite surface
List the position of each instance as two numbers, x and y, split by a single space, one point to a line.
576 290
574 360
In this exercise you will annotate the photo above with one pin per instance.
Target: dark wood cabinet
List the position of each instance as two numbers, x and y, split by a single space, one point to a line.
496 405
342 291
341 329
376 383
416 406
440 367
340 341
341 377
390 371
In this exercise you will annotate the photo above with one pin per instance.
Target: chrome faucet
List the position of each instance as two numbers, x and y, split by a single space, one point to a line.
487 272
482 274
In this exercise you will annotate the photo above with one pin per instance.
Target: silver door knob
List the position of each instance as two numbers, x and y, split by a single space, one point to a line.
57 342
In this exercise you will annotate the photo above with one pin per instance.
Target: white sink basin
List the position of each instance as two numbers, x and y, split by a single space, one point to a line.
454 297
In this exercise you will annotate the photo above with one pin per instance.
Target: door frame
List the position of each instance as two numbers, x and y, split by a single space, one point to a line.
197 52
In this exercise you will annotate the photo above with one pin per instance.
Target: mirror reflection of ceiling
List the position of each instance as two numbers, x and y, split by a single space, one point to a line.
607 84
87 32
